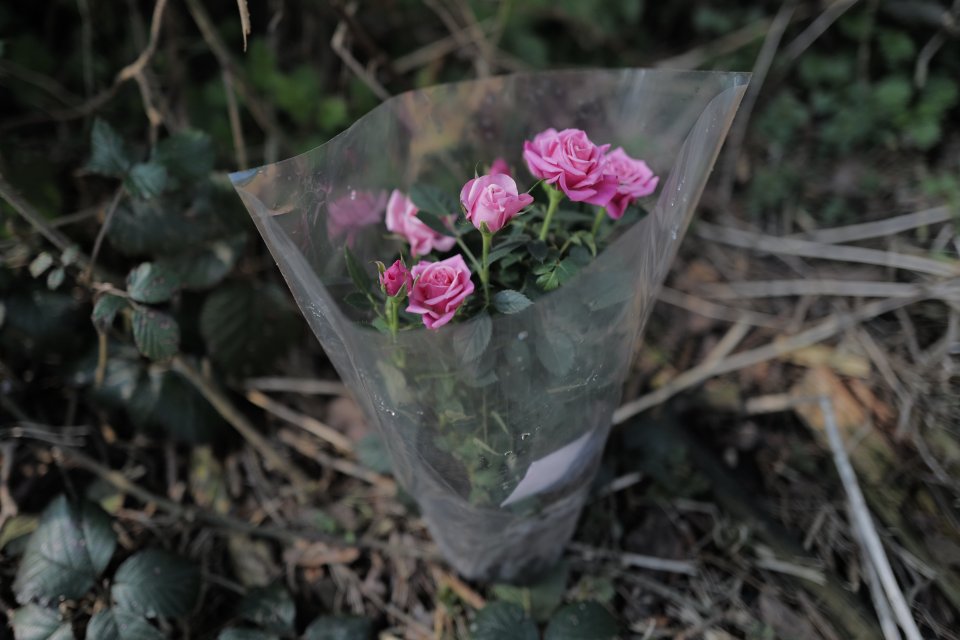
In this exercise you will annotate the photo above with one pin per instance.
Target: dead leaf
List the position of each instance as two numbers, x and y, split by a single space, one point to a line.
253 562
312 555
843 362
784 620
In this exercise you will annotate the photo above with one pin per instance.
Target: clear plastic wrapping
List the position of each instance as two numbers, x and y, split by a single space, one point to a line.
496 424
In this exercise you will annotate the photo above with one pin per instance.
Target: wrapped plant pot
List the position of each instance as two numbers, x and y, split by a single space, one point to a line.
492 369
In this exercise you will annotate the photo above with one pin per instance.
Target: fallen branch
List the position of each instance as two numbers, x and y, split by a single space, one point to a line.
879 228
850 288
634 560
307 423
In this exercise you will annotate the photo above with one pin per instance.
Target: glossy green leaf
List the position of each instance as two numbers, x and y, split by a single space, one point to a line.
541 598
33 622
431 199
339 628
156 334
187 155
118 624
361 279
152 282
156 583
237 633
108 154
246 327
436 223
71 546
269 607
503 621
552 276
582 621
146 180
556 351
203 268
509 301
472 337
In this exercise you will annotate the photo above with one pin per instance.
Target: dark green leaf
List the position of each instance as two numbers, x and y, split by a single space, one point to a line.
108 155
69 549
558 274
582 621
40 264
246 634
146 180
39 623
339 628
434 200
503 621
556 351
152 282
176 407
472 337
246 327
436 223
117 624
269 607
156 583
361 279
541 598
580 256
510 301
55 278
373 455
156 334
187 155
537 249
503 249
204 268
358 300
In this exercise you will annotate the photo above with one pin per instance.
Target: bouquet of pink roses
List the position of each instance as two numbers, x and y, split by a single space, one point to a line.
486 325
520 249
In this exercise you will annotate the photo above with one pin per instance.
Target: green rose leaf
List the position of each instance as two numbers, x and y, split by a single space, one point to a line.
40 264
472 338
246 326
339 628
556 351
510 301
146 180
108 154
55 278
361 279
507 247
372 454
552 275
156 334
269 607
431 199
152 282
541 598
436 223
156 583
582 621
71 546
33 622
188 155
117 624
503 621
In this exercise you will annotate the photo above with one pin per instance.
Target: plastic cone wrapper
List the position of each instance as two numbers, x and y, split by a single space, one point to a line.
494 423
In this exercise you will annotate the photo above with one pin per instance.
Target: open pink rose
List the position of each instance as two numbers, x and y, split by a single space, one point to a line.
634 180
499 166
439 289
352 212
402 219
492 199
394 277
571 161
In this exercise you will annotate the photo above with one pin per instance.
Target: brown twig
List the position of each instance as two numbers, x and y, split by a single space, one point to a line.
102 233
305 422
310 449
634 560
231 414
338 44
880 228
304 386
718 311
233 113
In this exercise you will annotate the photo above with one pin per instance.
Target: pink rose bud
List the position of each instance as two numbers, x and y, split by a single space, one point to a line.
402 219
439 289
493 199
634 180
569 159
499 166
393 278
352 212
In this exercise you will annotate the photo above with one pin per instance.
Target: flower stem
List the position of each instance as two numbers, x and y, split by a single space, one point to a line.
485 269
466 250
601 213
555 196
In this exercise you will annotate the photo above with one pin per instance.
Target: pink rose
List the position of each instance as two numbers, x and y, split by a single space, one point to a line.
393 278
348 214
402 219
634 180
492 199
439 289
499 166
570 160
